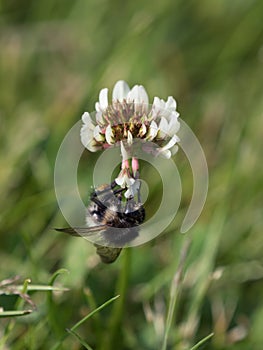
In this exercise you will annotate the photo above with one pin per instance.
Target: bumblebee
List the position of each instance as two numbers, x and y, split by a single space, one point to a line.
113 220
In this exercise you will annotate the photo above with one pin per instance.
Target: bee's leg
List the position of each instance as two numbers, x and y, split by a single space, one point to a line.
117 191
102 198
129 206
114 194
137 176
95 200
139 194
109 188
99 191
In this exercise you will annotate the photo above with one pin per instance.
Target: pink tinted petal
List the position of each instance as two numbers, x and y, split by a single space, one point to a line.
125 165
135 165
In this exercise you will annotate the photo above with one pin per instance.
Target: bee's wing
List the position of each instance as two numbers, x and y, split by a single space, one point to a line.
82 231
107 254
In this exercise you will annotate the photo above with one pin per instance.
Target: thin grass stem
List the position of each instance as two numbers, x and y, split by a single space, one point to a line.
174 292
202 341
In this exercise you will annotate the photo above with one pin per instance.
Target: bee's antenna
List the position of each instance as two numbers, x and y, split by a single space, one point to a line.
113 184
120 190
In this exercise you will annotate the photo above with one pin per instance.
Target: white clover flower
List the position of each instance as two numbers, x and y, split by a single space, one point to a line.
170 148
133 188
132 185
126 180
88 133
129 116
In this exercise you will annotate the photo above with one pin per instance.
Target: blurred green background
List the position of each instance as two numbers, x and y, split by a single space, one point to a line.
55 56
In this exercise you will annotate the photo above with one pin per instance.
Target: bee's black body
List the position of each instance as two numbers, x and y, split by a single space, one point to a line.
118 222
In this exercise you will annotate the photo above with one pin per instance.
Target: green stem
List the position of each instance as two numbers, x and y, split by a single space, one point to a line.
18 305
84 319
201 342
112 341
174 292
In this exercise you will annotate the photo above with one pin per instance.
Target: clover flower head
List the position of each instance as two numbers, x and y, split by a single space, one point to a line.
129 116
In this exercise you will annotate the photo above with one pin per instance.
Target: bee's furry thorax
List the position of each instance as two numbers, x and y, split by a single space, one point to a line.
107 208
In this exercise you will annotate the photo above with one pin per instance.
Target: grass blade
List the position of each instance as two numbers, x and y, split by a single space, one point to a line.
93 312
82 341
15 313
175 289
202 341
57 345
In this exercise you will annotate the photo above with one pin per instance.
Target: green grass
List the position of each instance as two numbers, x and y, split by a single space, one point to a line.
55 56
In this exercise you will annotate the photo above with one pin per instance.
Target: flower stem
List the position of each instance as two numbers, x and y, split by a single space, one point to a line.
113 340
